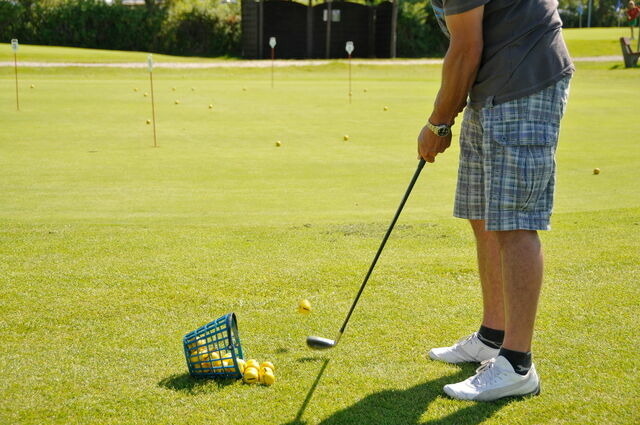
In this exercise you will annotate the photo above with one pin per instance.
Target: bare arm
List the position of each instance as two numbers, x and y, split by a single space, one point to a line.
458 74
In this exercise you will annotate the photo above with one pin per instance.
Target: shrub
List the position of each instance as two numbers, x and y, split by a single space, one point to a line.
418 31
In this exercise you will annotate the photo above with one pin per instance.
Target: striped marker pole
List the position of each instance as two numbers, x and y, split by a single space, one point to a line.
349 48
272 43
153 106
14 46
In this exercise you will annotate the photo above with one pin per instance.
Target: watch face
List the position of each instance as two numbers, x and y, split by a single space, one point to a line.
443 131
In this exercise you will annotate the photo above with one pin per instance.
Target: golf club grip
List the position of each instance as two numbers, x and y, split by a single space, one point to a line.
384 241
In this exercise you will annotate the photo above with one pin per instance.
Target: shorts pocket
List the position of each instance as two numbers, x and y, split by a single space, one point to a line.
525 133
523 165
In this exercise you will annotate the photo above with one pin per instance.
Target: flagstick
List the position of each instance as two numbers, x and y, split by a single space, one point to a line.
349 48
15 65
272 44
350 78
153 111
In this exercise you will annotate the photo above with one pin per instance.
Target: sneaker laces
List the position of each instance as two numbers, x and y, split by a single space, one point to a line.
486 373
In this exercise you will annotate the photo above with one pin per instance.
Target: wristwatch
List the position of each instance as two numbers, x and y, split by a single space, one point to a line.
441 130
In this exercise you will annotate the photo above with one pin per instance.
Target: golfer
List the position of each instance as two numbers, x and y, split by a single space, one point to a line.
508 64
632 13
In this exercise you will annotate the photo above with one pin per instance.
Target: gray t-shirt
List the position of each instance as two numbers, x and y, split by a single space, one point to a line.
523 53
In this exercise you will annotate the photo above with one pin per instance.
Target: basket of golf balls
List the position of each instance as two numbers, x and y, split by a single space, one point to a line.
214 350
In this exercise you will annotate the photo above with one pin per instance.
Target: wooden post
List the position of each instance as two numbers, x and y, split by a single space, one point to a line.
349 47
328 39
153 107
14 47
394 26
272 44
350 79
15 65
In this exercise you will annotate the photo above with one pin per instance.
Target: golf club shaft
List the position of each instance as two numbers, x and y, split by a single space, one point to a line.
384 241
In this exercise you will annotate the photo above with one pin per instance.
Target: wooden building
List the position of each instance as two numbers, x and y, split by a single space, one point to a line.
305 30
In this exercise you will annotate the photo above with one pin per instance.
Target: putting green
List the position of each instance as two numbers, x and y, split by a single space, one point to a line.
111 250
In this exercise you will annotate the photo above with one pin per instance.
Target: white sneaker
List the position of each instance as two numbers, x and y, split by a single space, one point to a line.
493 380
467 349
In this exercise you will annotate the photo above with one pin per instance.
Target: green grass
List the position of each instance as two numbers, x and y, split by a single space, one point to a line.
595 41
581 42
75 54
111 250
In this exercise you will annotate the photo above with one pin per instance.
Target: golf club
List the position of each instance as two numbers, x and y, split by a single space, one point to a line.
319 343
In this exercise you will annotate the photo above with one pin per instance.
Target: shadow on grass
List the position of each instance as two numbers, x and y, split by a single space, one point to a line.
186 383
404 407
311 359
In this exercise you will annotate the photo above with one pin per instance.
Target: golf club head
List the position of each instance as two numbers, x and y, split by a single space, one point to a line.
319 343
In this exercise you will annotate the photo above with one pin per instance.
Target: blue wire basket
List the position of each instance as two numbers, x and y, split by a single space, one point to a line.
213 350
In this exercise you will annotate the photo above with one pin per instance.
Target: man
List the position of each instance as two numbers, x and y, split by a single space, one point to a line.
632 13
509 59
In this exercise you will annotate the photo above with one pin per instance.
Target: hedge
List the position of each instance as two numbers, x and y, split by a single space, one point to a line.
96 24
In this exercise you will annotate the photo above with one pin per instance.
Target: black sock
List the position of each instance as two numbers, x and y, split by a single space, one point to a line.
520 361
491 337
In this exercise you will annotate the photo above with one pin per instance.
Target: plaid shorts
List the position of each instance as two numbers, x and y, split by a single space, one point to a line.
507 160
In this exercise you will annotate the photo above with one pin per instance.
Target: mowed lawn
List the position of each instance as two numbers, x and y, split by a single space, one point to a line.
111 250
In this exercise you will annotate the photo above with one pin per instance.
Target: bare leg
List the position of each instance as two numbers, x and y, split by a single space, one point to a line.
489 266
522 264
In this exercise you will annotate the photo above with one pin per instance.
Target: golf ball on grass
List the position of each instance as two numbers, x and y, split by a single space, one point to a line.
268 378
278 143
251 375
252 363
596 171
177 102
269 365
241 365
262 372
210 106
148 121
304 307
346 137
386 108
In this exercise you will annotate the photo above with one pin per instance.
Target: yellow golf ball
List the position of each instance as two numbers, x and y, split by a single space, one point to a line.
267 364
268 379
252 363
216 359
250 375
278 143
596 171
304 307
241 365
